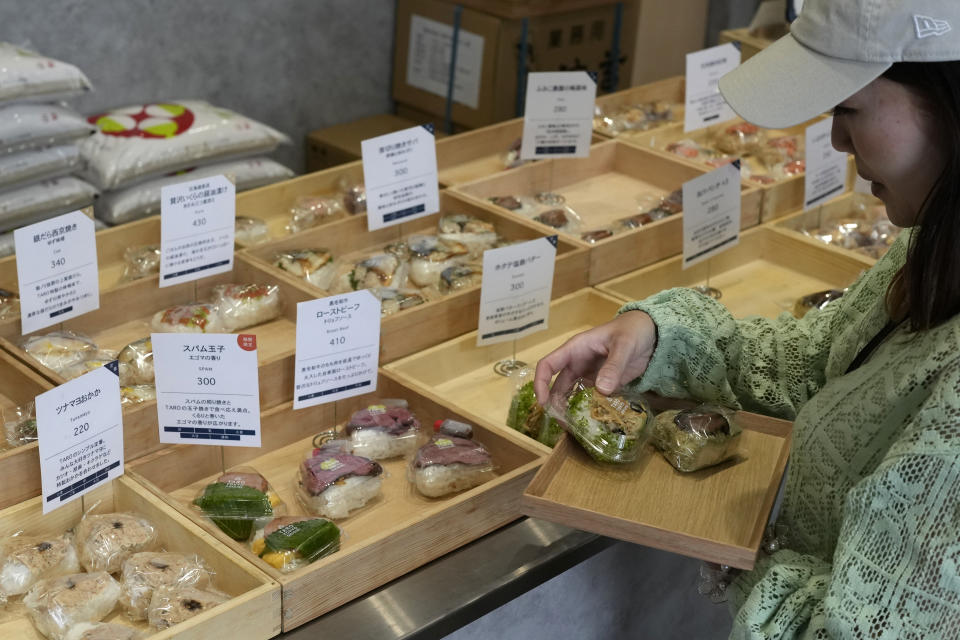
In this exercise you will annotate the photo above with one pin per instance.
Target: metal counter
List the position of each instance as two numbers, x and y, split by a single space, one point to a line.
460 587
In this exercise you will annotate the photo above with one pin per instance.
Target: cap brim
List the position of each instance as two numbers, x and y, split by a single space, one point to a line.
788 83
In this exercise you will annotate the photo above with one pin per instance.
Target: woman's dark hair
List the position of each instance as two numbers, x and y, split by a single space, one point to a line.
926 292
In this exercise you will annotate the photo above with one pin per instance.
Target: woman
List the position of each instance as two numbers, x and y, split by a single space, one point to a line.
868 538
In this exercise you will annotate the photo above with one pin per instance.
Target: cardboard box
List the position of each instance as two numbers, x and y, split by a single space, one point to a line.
340 143
487 55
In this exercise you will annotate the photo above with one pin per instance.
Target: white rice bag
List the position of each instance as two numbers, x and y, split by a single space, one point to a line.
32 126
26 560
38 164
26 75
57 604
141 141
142 200
42 200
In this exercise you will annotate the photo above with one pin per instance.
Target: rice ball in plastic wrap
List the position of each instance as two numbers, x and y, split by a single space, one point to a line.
106 541
56 604
246 305
27 560
333 483
171 605
382 431
150 570
59 349
451 461
136 363
188 318
291 542
239 501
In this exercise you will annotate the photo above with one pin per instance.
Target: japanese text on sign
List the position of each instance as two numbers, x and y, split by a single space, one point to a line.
57 270
338 347
704 104
515 294
80 434
400 176
711 214
197 227
208 389
826 168
558 117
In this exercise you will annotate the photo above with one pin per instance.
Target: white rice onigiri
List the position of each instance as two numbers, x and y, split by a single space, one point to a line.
377 444
338 500
437 480
24 565
57 604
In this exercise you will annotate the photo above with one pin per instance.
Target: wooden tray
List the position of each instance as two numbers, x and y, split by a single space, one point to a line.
671 90
393 535
601 189
471 155
717 514
845 207
272 203
124 316
427 324
779 198
460 374
19 465
252 613
763 275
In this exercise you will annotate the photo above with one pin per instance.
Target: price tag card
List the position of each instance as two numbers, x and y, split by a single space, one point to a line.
208 388
80 435
711 214
197 221
515 294
558 117
704 104
825 175
400 176
338 348
56 270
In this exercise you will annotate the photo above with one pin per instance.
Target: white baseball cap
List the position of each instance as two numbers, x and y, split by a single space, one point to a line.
834 49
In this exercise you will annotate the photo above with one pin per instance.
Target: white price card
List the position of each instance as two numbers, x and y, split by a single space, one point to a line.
80 435
825 175
338 348
400 176
515 294
56 270
197 224
711 214
208 388
704 104
558 117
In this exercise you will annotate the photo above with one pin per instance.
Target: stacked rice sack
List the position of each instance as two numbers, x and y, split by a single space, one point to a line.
38 140
139 149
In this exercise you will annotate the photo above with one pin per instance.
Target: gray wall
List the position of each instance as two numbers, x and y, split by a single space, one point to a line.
296 65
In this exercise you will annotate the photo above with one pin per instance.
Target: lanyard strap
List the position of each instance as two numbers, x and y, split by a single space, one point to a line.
871 346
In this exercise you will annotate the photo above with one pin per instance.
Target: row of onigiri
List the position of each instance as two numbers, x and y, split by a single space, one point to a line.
340 476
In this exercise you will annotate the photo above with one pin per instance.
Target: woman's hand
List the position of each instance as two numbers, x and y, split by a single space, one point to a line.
607 356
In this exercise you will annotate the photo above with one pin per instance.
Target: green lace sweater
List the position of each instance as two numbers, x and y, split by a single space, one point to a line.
871 508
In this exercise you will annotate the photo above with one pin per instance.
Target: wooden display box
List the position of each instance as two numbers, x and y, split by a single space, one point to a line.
427 324
717 514
670 90
273 202
763 275
779 198
19 465
124 317
460 374
477 154
252 613
846 207
396 533
603 189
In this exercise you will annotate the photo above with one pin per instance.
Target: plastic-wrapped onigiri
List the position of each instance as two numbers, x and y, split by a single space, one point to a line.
239 501
291 542
56 604
529 418
332 482
106 541
383 431
145 572
609 428
246 305
696 438
25 561
171 605
450 461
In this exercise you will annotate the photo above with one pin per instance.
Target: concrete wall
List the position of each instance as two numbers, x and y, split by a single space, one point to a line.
296 65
